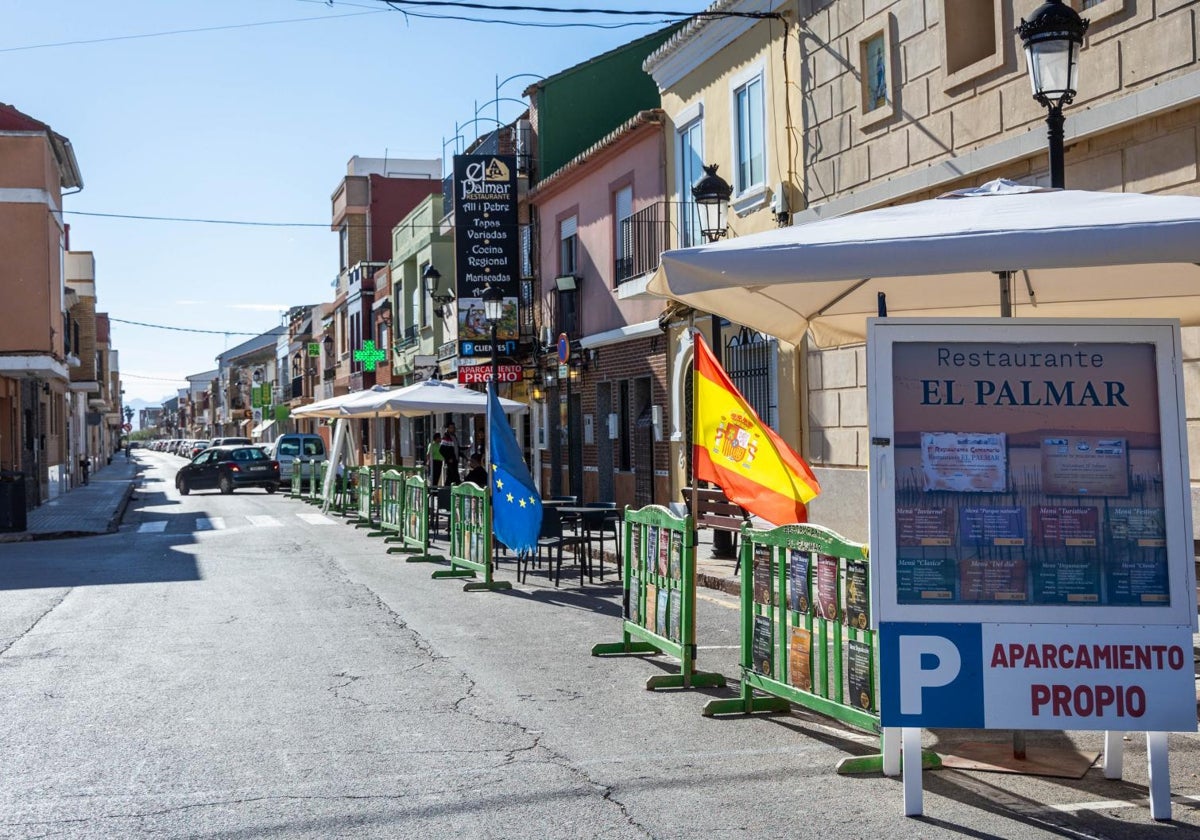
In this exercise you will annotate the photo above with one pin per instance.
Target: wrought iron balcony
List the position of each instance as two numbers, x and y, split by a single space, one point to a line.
644 236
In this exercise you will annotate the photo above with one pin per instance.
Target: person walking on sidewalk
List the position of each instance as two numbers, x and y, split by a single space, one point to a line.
450 455
433 459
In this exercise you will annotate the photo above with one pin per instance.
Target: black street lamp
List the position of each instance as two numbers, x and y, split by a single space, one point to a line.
493 311
431 278
711 194
1053 36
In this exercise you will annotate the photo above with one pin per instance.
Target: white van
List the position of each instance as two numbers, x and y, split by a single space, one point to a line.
287 448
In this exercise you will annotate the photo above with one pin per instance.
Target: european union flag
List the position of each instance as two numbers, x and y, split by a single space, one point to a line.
516 505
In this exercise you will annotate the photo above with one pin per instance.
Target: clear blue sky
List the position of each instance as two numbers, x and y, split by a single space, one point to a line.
253 123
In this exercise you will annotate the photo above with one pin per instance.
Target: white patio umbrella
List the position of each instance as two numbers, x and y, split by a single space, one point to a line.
1071 253
331 407
423 398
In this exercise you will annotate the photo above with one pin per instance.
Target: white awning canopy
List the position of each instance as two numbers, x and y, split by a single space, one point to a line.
261 428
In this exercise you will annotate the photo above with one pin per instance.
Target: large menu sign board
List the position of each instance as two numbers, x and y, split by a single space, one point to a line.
486 249
1032 487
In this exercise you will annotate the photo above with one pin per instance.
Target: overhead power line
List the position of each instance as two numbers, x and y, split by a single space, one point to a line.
184 31
272 331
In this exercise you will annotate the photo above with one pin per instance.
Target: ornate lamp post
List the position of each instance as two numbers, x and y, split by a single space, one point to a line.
711 194
1052 36
493 311
431 278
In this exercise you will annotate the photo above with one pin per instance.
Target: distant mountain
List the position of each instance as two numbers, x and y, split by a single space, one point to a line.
138 404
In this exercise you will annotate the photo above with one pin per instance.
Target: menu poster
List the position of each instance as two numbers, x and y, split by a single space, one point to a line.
858 675
763 577
664 550
993 579
633 594
858 604
964 462
1073 578
827 586
675 568
1144 527
651 607
660 621
1138 578
1085 465
674 613
800 658
996 526
921 578
651 549
924 526
762 645
636 536
1065 526
798 591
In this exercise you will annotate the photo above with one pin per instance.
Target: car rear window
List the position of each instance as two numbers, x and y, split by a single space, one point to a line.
314 446
250 453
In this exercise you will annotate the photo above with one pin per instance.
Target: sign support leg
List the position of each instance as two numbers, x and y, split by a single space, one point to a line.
1160 775
1114 754
911 748
891 751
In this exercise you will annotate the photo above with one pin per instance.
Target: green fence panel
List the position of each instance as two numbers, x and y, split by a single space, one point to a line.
414 523
806 639
471 539
659 596
297 484
316 480
391 506
368 492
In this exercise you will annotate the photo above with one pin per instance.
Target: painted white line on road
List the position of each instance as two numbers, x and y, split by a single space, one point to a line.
718 647
152 527
721 602
1106 804
316 519
265 522
210 523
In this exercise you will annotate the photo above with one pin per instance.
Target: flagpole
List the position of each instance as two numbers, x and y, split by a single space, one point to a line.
692 455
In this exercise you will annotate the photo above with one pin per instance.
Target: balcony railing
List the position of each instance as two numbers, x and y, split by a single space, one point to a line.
644 236
297 387
410 336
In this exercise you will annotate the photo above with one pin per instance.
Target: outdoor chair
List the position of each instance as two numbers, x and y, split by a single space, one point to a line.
597 526
440 509
551 539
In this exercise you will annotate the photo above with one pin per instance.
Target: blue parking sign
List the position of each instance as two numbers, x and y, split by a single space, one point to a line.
931 675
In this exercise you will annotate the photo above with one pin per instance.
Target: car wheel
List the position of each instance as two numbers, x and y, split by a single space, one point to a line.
270 488
182 486
226 485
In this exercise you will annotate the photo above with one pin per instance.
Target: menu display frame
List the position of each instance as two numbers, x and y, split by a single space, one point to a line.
939 372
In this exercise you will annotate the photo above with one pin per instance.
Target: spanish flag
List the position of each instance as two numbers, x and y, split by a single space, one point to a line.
735 450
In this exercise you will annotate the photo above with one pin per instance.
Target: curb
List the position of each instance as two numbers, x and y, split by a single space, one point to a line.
731 586
115 522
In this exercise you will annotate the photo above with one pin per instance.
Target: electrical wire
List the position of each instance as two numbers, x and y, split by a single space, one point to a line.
185 31
272 331
151 378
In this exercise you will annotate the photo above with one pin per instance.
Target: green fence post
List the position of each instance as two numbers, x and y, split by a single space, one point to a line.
294 489
471 539
414 527
659 589
391 506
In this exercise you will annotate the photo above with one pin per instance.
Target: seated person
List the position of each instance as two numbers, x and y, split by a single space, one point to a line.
476 474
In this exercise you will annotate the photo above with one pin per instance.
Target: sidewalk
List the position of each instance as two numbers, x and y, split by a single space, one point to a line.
93 508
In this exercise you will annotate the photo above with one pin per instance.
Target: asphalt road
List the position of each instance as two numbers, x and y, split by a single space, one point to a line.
242 667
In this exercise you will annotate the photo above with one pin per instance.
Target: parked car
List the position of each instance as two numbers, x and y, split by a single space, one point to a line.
289 447
228 468
230 441
195 448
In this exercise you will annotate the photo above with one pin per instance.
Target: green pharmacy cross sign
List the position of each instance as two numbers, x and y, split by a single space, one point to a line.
369 355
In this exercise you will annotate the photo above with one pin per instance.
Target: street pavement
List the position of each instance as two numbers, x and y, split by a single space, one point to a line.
244 666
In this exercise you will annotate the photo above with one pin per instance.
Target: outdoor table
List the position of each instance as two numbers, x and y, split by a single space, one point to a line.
593 517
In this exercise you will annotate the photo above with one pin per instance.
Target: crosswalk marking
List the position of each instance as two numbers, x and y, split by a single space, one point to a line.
265 522
315 518
210 523
152 527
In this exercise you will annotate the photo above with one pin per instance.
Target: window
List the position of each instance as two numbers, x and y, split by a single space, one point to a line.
974 36
878 98
622 238
568 246
749 149
691 170
343 246
624 446
751 360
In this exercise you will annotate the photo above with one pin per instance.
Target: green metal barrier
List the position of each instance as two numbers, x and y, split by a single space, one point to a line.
316 480
471 539
297 485
660 596
806 634
414 523
391 506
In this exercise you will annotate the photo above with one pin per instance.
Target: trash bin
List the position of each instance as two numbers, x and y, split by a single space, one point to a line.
12 501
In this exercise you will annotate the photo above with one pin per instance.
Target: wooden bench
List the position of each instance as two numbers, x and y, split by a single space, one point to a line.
715 511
